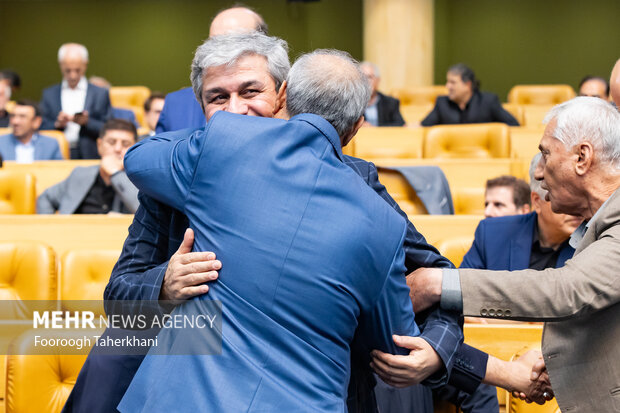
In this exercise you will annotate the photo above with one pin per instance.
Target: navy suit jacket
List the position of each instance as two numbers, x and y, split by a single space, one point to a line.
45 148
388 111
482 107
156 233
505 243
181 110
278 196
99 110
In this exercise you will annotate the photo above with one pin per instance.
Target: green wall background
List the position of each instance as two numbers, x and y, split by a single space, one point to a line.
508 42
152 42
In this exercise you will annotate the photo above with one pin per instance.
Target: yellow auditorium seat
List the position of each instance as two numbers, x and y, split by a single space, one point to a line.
468 200
540 94
516 111
455 248
41 383
481 140
414 114
401 191
84 275
130 97
60 138
437 228
524 141
533 115
388 142
419 95
17 192
5 131
48 173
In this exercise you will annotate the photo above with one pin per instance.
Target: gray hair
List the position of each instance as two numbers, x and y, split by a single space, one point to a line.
227 49
535 185
374 67
72 48
328 83
588 119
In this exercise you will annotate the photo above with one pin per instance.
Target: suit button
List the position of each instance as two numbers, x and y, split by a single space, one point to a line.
507 313
500 313
492 312
483 312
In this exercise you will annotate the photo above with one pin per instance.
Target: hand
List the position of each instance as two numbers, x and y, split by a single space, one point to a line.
403 371
539 389
81 118
425 287
188 271
61 120
110 164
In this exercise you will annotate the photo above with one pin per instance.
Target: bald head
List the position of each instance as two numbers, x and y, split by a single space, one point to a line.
237 20
330 84
614 84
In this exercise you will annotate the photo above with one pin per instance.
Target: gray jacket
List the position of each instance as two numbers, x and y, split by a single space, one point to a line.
66 196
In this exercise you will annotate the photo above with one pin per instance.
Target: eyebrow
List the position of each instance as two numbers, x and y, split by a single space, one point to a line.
244 85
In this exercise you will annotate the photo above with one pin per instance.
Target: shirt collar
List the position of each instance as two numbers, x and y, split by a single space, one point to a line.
82 84
35 136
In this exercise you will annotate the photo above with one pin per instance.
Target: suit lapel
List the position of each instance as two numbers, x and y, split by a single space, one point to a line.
89 98
521 245
79 186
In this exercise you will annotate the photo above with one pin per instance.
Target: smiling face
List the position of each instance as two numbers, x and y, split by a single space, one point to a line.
24 122
245 88
557 172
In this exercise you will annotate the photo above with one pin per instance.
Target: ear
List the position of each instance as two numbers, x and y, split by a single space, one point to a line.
349 136
585 157
37 122
536 200
525 209
279 108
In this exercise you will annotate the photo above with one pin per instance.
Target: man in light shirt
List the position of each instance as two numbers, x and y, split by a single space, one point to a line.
24 144
75 106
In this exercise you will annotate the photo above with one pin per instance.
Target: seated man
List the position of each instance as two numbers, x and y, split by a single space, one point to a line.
5 96
153 106
303 195
537 240
75 106
97 189
506 195
381 110
465 103
594 86
24 144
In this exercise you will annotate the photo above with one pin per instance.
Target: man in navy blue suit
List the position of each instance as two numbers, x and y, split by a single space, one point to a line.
537 240
75 106
289 331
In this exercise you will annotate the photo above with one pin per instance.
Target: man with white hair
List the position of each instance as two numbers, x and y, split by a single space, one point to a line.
75 106
580 302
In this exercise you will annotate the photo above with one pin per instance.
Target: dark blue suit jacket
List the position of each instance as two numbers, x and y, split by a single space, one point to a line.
45 148
482 107
181 110
505 243
99 110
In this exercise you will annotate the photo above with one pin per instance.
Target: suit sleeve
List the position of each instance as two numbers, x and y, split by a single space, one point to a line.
57 155
126 190
96 120
49 201
163 167
432 118
395 118
587 283
475 257
139 271
47 112
163 123
502 115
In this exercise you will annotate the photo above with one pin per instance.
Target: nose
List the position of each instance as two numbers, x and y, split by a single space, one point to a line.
538 172
489 211
237 105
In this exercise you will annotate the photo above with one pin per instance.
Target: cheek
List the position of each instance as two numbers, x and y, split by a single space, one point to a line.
263 107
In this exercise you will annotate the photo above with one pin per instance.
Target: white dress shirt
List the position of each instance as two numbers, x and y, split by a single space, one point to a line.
72 101
24 152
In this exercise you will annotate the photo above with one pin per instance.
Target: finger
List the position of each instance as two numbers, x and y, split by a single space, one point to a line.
411 343
195 279
202 256
189 292
195 268
394 365
188 242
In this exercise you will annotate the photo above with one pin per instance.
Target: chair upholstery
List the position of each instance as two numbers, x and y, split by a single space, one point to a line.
48 173
414 114
524 141
130 97
401 191
515 110
468 200
388 142
60 138
17 192
540 94
84 275
455 248
40 383
27 271
480 140
533 115
419 95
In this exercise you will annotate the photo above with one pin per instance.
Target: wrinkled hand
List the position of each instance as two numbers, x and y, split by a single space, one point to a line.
539 379
425 287
188 271
403 371
81 118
